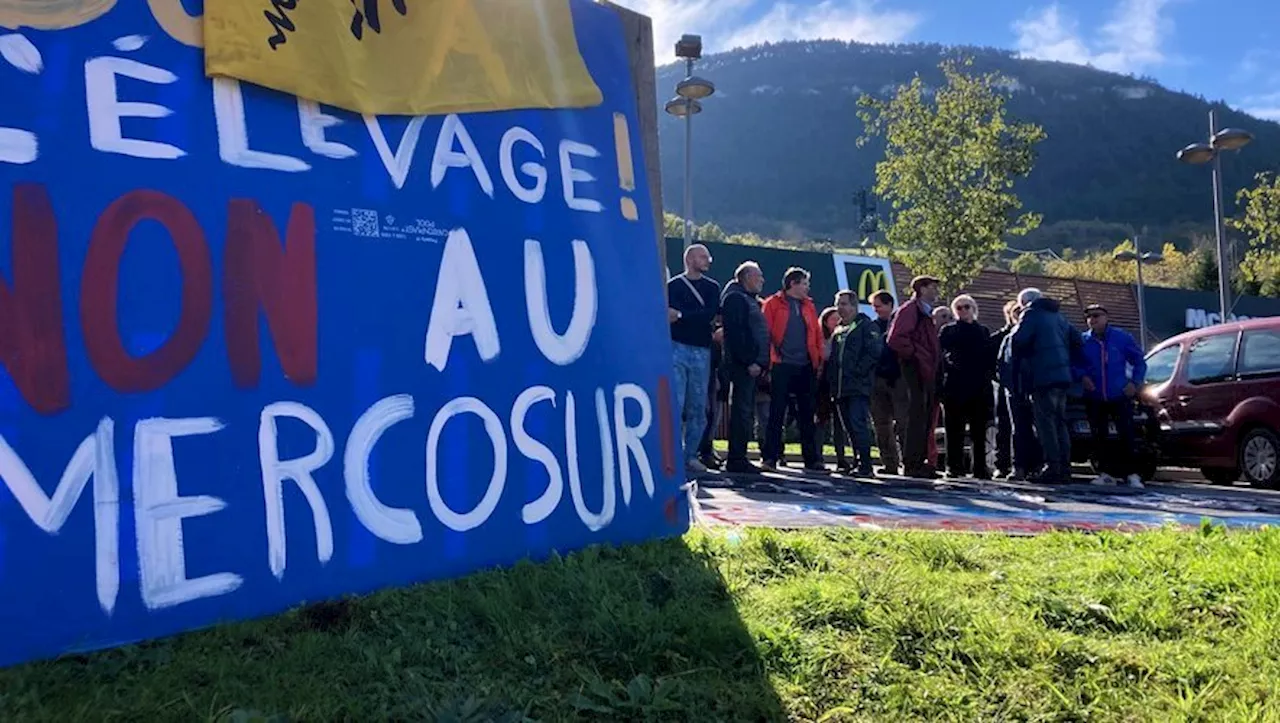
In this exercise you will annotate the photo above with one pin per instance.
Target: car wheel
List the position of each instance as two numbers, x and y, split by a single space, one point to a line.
1260 457
1220 475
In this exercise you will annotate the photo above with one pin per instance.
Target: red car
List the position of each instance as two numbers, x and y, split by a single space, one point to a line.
1216 392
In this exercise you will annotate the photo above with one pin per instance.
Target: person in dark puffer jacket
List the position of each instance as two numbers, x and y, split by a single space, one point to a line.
746 358
1004 417
888 396
1044 345
1027 454
828 417
850 369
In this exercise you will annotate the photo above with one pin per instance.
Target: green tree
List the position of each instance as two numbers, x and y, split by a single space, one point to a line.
1260 269
1179 269
673 227
1029 264
951 159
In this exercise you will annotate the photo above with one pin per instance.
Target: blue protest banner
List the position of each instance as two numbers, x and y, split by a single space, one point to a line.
259 352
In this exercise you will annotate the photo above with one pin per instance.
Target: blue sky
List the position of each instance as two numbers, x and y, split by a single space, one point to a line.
1184 44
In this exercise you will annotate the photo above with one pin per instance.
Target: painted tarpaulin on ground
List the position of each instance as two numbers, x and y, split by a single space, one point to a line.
259 351
406 57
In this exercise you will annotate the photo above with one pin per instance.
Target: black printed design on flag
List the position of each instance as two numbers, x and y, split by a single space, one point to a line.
367 14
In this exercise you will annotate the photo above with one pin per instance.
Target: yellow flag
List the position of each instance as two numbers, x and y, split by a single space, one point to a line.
404 57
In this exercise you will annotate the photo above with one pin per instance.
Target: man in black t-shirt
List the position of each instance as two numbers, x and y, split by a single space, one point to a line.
693 302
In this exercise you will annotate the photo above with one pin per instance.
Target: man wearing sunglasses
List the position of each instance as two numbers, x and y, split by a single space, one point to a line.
1112 369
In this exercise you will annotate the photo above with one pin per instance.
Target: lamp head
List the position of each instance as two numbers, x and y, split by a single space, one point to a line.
1197 154
681 107
1231 139
695 88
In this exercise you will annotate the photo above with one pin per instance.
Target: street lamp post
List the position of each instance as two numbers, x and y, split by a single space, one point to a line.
686 105
1227 139
1140 259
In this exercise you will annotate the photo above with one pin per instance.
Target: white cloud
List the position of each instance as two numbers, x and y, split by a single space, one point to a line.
727 24
1266 105
1051 35
1257 78
826 20
1133 40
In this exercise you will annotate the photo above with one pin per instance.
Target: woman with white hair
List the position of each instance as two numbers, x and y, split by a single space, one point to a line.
968 364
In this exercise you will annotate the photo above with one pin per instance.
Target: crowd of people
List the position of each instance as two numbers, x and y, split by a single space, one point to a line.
887 382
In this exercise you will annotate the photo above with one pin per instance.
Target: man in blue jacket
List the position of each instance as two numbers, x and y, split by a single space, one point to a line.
1112 369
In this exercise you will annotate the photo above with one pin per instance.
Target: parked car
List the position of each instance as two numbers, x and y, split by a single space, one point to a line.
1216 392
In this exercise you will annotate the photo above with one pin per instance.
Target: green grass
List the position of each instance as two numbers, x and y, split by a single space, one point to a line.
762 625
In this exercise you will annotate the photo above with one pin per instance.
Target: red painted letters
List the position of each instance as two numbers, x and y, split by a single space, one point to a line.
32 347
99 292
258 272
666 430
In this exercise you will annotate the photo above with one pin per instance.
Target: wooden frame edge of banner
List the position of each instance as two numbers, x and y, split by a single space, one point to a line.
638 32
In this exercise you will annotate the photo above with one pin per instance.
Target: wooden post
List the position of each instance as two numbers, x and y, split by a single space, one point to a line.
638 32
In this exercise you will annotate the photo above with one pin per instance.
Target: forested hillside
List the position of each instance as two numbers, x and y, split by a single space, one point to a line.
776 148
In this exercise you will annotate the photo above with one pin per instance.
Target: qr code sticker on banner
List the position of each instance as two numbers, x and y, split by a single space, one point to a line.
364 222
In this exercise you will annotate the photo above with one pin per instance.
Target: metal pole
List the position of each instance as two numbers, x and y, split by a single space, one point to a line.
1224 269
688 163
1142 301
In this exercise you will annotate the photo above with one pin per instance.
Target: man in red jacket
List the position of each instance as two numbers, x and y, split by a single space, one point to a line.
796 344
914 338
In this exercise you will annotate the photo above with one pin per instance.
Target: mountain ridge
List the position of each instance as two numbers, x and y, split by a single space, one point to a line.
775 149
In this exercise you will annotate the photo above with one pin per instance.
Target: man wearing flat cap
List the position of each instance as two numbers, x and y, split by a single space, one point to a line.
914 338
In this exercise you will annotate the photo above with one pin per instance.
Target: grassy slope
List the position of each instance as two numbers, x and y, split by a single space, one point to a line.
759 626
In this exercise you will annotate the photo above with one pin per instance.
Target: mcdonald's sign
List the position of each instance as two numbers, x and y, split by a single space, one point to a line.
870 283
866 276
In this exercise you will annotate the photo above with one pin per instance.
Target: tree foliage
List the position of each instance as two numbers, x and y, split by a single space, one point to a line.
1029 264
951 158
673 227
1260 269
1194 269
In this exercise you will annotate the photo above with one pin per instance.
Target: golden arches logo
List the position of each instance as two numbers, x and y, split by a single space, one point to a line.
872 282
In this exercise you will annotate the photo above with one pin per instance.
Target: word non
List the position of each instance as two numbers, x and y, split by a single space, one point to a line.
259 273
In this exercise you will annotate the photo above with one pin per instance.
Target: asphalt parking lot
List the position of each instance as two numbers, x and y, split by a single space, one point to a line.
792 498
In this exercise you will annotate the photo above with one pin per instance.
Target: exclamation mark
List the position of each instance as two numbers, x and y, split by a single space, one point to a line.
626 167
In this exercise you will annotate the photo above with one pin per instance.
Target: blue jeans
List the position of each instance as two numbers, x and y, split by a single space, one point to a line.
1051 425
692 367
855 412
